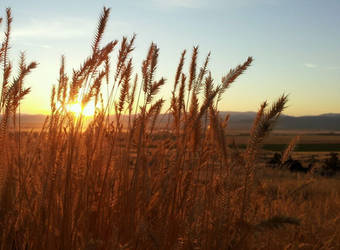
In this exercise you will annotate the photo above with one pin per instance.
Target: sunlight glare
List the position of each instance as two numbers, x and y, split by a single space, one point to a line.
77 109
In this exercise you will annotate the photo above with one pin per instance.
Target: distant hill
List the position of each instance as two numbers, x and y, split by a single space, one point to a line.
239 120
322 122
30 121
328 122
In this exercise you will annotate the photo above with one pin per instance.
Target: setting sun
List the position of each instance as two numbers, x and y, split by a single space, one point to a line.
77 109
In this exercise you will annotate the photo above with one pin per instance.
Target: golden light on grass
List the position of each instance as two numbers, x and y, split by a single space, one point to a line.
117 181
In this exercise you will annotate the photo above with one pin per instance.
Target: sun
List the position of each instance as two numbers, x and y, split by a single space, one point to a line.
77 109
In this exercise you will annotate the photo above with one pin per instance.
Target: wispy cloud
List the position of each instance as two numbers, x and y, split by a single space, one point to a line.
179 3
333 68
65 28
45 46
52 29
310 65
196 4
244 3
37 45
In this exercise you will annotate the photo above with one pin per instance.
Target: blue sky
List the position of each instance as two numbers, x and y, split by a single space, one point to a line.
295 44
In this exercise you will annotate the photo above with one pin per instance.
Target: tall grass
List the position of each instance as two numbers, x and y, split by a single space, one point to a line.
119 183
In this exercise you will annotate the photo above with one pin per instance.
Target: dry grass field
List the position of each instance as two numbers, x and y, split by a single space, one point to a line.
105 185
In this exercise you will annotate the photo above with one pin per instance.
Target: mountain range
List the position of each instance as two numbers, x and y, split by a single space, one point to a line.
240 121
324 122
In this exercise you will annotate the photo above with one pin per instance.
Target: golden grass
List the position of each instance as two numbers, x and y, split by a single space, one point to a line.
105 186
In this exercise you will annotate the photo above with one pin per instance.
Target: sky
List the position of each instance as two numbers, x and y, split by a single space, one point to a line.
295 45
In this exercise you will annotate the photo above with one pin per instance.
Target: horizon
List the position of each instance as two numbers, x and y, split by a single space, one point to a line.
287 40
220 111
239 121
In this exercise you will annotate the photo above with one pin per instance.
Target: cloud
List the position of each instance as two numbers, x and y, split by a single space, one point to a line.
36 45
249 3
48 29
211 4
333 67
45 46
179 3
62 29
310 65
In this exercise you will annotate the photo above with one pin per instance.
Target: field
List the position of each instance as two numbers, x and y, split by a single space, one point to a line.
101 183
310 141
